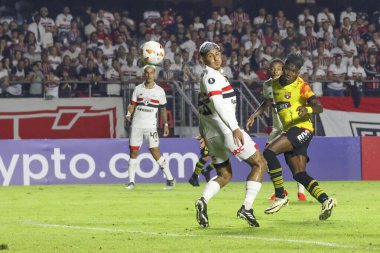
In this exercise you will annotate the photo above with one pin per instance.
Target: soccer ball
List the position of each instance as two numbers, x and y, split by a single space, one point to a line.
152 53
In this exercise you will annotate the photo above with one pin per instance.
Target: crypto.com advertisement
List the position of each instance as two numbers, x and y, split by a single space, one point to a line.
105 161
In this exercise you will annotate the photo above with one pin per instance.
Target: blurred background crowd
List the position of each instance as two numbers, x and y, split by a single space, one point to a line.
57 50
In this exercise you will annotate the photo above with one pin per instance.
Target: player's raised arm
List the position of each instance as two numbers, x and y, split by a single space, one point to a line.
264 105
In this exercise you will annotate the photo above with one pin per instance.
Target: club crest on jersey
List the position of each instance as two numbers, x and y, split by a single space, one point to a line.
146 101
211 80
288 95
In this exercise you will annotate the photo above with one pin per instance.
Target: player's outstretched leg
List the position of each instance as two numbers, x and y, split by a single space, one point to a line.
169 184
301 192
193 180
275 173
247 215
315 190
201 208
327 208
132 173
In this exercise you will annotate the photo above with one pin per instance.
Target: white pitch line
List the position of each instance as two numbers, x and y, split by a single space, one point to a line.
327 244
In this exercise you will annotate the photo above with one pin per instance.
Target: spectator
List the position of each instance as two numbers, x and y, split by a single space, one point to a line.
66 86
32 55
18 73
325 16
347 13
114 73
51 85
167 73
198 24
239 16
4 79
39 31
63 20
73 52
92 75
248 76
259 20
356 75
305 15
54 58
337 73
227 72
317 75
223 17
74 34
290 40
108 49
91 27
47 22
372 69
31 40
36 78
130 71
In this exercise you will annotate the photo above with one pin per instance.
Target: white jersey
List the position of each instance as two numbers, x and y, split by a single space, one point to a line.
217 104
268 94
147 102
63 22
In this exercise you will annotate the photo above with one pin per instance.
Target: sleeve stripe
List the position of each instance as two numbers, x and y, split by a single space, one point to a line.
227 88
154 101
216 92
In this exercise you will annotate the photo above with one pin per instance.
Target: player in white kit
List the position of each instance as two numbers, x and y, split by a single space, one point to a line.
221 132
275 71
146 99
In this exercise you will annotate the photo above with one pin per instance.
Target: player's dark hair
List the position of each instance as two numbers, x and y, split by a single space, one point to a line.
294 59
276 60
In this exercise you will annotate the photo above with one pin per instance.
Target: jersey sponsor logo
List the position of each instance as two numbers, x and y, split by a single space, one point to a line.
282 105
211 80
287 95
238 150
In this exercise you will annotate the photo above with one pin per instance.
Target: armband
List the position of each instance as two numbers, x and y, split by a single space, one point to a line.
309 110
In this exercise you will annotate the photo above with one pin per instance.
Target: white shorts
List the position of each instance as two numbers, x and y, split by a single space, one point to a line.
149 134
219 146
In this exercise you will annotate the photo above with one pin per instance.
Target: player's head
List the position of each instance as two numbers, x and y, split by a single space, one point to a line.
211 54
149 73
293 64
275 68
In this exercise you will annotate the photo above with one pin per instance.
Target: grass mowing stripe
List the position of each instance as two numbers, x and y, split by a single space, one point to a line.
327 244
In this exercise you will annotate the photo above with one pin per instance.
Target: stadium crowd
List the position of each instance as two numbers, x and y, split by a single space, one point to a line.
60 55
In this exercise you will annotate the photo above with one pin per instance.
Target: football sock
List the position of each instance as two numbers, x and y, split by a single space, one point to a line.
301 188
311 186
132 169
209 168
211 189
275 173
252 189
199 167
165 168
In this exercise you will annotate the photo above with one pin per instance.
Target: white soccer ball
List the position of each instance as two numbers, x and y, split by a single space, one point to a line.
152 53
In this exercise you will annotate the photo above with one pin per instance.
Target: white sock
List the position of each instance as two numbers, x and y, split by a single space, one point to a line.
165 168
211 189
132 169
252 190
301 188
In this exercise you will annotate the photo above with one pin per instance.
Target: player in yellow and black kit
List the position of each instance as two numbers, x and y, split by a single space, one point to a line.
295 102
205 156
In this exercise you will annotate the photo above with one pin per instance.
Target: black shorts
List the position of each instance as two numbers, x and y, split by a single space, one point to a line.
300 139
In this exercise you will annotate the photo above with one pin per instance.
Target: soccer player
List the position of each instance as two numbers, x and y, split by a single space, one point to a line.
219 128
295 102
199 167
142 111
275 71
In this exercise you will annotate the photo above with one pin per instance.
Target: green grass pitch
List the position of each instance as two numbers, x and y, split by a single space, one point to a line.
108 218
